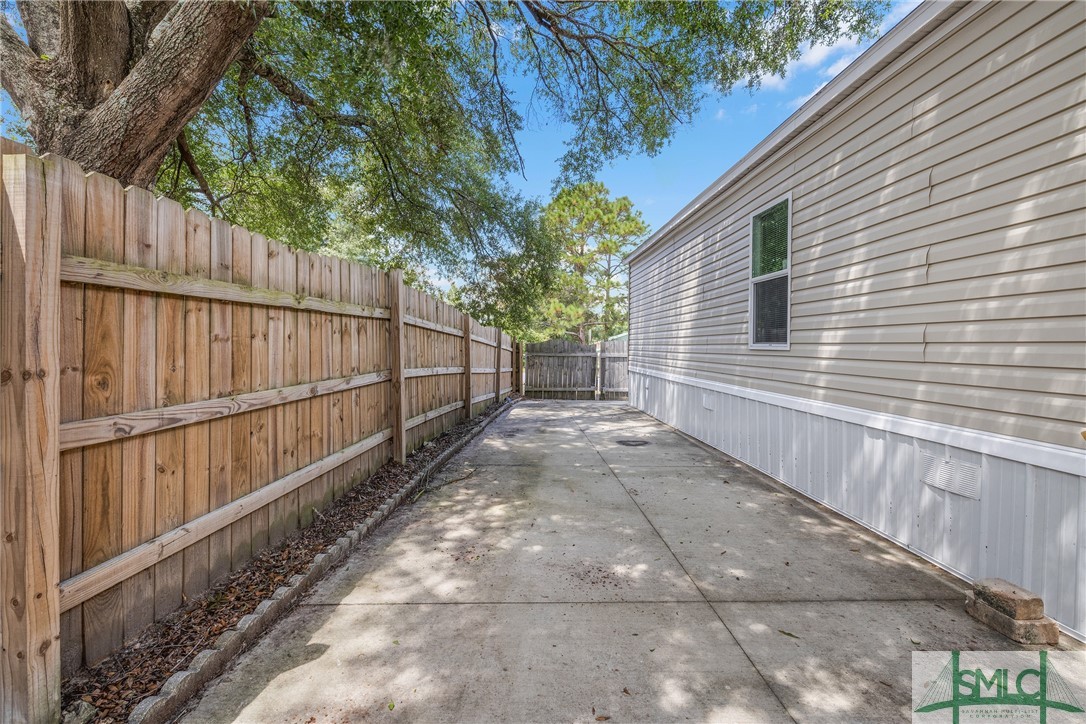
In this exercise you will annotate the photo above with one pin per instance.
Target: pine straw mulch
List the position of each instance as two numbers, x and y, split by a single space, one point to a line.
116 684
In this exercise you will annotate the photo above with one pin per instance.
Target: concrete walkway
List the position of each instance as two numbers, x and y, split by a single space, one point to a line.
562 574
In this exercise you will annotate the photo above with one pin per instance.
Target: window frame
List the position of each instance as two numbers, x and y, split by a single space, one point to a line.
785 272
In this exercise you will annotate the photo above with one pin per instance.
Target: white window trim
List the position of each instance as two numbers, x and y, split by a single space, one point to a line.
786 272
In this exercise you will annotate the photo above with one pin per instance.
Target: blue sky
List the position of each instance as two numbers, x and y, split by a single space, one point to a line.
701 151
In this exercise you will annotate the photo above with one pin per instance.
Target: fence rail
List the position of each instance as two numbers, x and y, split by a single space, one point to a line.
176 394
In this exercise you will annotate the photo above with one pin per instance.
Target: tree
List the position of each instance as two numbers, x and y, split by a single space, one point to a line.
596 232
392 120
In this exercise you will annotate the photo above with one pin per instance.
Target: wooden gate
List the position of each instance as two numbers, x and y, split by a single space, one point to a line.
565 370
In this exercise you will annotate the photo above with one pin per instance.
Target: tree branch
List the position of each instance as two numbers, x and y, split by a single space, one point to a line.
194 169
295 94
41 18
15 72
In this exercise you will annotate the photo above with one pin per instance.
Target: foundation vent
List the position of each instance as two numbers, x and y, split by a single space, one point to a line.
954 476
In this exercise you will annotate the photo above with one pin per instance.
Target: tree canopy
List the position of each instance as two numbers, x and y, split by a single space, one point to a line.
385 125
596 232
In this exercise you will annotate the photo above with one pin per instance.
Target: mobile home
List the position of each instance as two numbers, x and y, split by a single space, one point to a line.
882 305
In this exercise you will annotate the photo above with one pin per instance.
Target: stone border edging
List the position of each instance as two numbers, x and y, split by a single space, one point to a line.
211 662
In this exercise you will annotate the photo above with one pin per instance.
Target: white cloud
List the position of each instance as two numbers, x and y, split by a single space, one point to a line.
830 60
774 82
721 114
752 108
898 11
838 65
797 102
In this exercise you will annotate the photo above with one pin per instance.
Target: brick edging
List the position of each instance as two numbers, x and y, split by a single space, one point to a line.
211 662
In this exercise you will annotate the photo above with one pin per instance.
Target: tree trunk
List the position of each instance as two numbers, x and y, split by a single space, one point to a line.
127 77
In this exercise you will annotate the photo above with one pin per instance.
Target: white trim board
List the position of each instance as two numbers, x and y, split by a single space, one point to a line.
1045 455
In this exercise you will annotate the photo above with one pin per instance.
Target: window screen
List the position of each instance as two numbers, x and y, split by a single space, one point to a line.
770 240
769 273
771 311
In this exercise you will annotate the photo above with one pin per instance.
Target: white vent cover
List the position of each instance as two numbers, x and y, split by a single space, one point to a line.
707 401
954 476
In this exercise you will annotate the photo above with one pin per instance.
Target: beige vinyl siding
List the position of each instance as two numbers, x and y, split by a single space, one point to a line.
938 241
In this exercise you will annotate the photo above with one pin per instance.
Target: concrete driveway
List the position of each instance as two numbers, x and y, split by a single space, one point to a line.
585 561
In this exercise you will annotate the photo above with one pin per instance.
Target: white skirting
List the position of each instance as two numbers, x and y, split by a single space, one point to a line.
1027 523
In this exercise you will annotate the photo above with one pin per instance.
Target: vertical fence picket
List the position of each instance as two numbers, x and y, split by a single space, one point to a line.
197 388
307 497
396 343
169 500
29 446
108 314
260 447
221 386
241 345
71 408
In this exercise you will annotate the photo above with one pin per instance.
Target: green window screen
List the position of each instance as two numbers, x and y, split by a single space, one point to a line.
770 252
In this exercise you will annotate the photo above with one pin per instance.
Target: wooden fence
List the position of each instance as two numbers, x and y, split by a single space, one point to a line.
565 370
176 394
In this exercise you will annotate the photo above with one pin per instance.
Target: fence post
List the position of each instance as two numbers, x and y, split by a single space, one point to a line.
29 447
396 352
516 366
498 366
467 366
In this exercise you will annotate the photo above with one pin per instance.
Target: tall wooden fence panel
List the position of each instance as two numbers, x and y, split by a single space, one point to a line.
177 393
560 370
614 378
565 370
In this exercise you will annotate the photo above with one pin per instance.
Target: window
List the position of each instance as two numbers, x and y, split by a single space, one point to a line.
770 252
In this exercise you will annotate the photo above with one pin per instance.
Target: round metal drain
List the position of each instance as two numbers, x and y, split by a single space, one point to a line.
632 443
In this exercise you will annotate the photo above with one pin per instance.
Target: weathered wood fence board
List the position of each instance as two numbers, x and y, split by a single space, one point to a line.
178 393
561 369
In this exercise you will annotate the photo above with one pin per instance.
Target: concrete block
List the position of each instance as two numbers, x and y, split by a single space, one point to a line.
151 710
208 659
1043 631
1009 599
229 642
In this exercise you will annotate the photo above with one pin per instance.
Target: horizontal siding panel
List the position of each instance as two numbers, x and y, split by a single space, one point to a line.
1061 278
1056 354
992 218
1069 303
1068 329
1067 251
1069 225
1048 380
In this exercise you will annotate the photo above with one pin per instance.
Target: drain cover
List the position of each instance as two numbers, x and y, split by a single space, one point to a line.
632 443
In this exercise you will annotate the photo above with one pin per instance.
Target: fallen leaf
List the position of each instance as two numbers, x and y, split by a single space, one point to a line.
395 642
787 633
602 718
626 691
915 642
391 705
